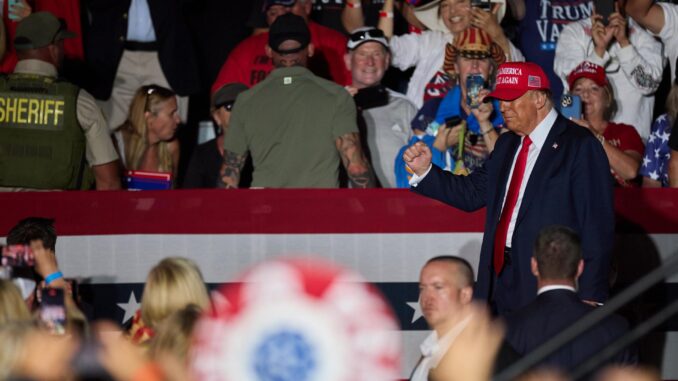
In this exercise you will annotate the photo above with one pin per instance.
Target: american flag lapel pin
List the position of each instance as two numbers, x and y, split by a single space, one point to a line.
555 146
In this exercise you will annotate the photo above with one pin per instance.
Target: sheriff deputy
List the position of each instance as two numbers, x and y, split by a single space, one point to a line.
52 133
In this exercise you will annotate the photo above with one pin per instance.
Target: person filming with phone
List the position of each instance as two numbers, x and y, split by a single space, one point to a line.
621 142
472 62
42 274
425 51
632 59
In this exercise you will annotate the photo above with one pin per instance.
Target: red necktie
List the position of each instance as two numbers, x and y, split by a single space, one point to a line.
509 205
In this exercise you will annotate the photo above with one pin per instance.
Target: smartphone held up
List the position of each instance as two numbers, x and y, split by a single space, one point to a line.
482 4
53 310
604 8
474 83
17 256
570 106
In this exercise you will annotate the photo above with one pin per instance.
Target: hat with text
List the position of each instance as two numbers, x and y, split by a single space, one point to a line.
39 30
366 34
516 78
288 27
588 70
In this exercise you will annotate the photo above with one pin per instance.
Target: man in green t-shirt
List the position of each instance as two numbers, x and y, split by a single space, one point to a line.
296 126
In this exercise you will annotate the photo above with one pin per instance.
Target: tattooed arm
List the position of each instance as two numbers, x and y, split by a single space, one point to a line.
230 170
360 174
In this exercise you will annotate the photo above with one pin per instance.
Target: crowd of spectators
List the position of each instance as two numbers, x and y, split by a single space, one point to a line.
303 102
291 316
407 64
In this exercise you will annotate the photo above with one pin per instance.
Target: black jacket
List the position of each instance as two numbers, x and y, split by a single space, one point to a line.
105 39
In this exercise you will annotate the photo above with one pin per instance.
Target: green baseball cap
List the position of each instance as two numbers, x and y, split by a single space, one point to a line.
39 30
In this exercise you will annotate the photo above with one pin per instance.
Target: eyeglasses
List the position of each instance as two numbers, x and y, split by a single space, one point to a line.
369 34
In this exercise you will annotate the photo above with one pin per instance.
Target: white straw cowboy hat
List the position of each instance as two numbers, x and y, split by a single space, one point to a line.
427 13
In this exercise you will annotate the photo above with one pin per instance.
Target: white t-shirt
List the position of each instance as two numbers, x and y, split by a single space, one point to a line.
634 71
669 35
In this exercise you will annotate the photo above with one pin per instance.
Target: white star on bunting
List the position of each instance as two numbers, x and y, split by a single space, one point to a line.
416 315
130 307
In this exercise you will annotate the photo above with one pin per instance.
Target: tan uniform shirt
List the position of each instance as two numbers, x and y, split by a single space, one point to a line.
99 146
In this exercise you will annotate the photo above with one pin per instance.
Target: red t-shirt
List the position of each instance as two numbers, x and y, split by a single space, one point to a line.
626 138
249 64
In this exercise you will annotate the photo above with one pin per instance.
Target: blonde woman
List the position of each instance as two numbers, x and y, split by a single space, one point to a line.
29 353
173 334
146 141
13 335
172 284
12 306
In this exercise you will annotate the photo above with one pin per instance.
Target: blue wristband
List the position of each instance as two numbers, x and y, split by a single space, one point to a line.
52 277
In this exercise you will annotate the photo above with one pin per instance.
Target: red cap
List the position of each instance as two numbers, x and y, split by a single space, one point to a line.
515 78
588 70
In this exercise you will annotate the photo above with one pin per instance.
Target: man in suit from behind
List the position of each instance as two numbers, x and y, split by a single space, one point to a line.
546 170
557 264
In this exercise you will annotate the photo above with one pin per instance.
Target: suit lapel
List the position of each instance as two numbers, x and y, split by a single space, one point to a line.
504 171
544 162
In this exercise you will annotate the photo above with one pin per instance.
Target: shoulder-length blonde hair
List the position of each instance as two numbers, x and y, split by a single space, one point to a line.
147 99
172 284
12 343
173 334
12 305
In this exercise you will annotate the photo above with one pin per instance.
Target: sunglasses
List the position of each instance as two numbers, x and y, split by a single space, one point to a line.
228 106
149 91
369 34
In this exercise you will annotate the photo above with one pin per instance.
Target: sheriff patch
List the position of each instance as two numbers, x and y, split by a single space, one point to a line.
34 111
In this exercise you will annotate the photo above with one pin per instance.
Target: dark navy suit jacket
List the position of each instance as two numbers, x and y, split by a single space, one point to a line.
552 312
570 185
107 30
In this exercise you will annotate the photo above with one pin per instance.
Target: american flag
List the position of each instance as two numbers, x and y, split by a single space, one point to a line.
533 81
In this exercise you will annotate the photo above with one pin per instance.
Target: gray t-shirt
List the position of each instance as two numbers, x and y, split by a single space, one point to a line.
388 130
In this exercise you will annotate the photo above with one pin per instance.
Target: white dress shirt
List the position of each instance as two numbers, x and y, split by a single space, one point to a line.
555 287
139 22
432 350
538 137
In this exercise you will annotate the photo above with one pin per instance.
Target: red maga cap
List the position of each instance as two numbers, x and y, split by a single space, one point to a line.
588 70
515 78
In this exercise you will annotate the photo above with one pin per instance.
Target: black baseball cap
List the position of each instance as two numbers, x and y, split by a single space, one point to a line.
288 27
227 94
